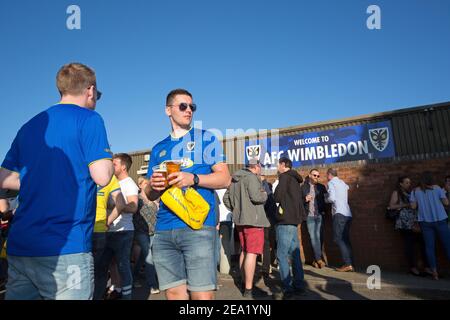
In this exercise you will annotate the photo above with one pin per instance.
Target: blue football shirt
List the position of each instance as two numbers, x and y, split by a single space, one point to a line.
57 198
199 150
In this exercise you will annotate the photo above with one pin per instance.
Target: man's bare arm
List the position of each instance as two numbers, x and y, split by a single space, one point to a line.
118 208
132 205
9 179
220 178
101 171
150 191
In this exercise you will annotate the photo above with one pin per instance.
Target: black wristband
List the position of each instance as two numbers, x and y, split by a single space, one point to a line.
196 180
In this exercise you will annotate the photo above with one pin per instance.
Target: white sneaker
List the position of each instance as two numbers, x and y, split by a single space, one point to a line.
154 291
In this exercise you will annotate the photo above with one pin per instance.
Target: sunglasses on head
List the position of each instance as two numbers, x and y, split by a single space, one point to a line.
183 106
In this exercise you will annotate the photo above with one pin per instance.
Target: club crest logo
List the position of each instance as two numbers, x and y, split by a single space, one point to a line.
162 153
379 138
186 163
253 152
190 145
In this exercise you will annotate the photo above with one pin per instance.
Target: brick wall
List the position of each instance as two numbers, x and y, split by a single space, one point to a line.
373 237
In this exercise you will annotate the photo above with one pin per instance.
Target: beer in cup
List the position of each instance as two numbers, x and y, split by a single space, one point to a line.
161 168
173 166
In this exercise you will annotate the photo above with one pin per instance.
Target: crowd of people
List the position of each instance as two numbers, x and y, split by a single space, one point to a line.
267 218
75 225
420 215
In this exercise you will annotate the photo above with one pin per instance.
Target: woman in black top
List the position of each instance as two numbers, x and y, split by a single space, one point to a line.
406 223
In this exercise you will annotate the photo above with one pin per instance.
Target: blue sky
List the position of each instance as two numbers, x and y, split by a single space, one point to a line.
249 63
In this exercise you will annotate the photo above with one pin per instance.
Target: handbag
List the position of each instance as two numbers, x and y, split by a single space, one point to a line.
392 214
3 251
416 228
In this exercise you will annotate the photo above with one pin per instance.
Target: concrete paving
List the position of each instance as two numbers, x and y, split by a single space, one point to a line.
327 284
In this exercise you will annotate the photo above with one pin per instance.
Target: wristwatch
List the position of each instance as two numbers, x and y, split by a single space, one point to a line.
196 180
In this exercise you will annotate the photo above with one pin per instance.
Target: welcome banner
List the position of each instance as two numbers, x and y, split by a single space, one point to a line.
368 141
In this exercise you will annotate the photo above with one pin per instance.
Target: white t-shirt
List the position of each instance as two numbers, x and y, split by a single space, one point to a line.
274 187
125 221
225 214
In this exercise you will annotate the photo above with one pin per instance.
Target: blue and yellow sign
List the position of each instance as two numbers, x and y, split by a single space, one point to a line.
368 141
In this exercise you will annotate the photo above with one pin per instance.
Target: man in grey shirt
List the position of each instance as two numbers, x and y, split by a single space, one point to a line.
246 198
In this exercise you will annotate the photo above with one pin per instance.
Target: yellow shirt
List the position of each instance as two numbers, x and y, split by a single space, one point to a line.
102 204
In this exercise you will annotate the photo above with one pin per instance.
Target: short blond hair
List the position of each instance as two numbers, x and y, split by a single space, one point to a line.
141 179
74 78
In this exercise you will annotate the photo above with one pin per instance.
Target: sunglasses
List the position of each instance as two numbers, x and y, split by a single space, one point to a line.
316 175
183 106
98 93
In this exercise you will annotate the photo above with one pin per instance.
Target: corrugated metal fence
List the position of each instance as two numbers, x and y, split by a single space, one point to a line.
419 133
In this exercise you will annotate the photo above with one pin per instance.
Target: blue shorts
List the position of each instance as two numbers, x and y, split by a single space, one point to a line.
186 256
65 277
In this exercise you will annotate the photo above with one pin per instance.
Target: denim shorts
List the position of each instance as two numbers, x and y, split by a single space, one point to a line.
186 256
65 277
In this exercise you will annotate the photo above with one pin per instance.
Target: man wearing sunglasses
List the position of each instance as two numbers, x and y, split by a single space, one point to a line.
184 258
313 194
57 160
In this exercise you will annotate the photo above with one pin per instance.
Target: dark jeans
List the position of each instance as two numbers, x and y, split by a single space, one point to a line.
144 241
430 230
226 232
269 256
341 230
226 237
98 247
411 241
118 245
315 229
3 262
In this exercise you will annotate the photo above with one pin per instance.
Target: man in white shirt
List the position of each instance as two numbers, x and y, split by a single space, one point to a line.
342 217
119 239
